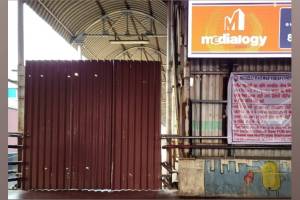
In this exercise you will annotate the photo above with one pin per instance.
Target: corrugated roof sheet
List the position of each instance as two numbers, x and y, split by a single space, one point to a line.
71 18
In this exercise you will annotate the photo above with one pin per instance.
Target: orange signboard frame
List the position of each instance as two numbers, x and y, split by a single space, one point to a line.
236 28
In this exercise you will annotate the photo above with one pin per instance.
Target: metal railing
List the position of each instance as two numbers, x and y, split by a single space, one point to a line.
17 172
170 168
187 142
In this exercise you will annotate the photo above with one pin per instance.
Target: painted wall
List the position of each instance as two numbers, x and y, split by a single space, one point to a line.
238 178
248 178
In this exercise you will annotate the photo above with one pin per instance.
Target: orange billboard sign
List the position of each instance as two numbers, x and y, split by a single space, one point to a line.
239 28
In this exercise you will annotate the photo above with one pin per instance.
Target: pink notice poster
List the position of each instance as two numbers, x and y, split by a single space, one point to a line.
259 108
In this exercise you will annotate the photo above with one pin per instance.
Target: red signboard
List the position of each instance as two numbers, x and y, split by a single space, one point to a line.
259 108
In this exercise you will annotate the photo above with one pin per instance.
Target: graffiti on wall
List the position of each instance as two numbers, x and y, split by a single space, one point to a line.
250 178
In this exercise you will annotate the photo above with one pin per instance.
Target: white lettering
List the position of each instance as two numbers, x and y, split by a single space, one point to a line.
226 38
289 37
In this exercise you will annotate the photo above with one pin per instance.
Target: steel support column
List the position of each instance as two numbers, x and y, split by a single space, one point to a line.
21 78
21 68
169 87
186 74
168 71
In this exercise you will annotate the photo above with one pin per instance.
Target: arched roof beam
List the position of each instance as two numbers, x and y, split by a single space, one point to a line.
128 11
139 47
103 13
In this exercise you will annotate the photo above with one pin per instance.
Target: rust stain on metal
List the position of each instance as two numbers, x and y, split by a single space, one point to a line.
92 125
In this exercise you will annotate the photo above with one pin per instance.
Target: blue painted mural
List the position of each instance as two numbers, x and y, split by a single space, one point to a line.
247 178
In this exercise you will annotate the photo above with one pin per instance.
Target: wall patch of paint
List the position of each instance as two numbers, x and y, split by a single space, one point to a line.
247 178
270 176
207 125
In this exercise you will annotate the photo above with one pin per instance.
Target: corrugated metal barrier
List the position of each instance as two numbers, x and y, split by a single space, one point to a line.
207 119
92 125
209 78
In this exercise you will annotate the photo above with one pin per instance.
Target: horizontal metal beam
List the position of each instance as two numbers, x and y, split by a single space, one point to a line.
140 47
129 42
245 157
12 172
15 162
15 134
13 81
124 35
191 137
209 73
15 146
202 101
14 179
266 72
225 146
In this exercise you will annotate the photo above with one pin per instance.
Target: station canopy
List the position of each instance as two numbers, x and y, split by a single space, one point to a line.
110 29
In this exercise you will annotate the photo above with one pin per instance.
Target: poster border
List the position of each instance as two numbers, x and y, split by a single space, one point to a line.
230 135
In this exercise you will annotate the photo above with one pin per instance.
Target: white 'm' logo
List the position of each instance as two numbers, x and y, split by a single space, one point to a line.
235 22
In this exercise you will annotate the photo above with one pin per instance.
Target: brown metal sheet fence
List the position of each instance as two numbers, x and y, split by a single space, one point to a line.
136 158
92 125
